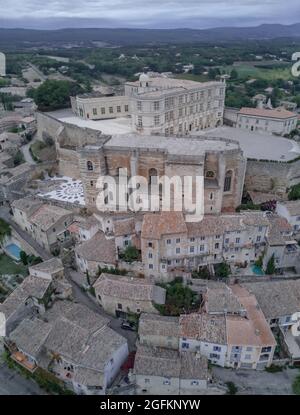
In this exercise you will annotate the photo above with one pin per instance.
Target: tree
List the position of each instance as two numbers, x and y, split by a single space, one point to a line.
88 278
270 269
5 230
179 299
234 74
24 257
294 193
130 254
203 273
222 270
231 388
213 72
259 261
198 69
53 94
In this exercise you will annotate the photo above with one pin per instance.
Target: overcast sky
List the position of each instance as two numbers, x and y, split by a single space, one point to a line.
146 13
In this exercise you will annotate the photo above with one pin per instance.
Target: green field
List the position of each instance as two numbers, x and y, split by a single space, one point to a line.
246 71
9 266
250 71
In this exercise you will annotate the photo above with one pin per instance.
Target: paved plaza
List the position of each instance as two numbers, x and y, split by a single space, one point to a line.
70 191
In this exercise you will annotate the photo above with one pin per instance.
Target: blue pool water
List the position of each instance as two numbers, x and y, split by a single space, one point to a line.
13 251
257 270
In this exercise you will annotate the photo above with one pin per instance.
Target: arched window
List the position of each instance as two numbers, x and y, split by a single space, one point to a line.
227 181
152 176
210 174
89 165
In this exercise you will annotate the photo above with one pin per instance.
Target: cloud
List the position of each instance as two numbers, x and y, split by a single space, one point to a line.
148 13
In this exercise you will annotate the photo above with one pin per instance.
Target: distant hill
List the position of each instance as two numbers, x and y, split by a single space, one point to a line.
147 36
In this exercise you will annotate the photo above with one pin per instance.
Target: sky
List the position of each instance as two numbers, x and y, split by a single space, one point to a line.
198 14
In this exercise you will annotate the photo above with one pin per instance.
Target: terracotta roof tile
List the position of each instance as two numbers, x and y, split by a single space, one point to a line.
266 113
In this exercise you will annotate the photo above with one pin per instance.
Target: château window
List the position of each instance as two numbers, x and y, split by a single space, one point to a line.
153 176
89 165
227 182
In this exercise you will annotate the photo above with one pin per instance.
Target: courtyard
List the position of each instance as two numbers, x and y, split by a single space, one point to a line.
70 191
258 145
258 382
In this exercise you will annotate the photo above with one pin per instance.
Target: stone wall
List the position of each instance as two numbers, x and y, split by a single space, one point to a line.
230 116
266 176
47 125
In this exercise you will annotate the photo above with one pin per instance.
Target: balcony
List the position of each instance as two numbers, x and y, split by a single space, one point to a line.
22 360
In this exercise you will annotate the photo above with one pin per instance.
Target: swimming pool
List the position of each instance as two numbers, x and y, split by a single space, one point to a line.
257 270
13 251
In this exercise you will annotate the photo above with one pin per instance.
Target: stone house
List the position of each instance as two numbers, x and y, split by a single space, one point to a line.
47 224
51 269
13 181
278 300
161 371
72 343
280 303
281 244
98 251
278 120
172 247
291 212
119 295
159 331
206 334
251 344
28 299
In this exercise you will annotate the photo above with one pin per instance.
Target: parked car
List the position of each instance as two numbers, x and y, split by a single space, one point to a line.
126 325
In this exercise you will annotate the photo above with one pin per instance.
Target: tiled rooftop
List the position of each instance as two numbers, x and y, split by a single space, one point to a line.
98 249
156 325
136 289
253 330
261 112
205 327
30 335
47 215
222 300
50 266
276 298
292 206
154 361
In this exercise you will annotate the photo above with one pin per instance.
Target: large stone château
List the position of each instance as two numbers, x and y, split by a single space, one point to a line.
158 105
86 154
